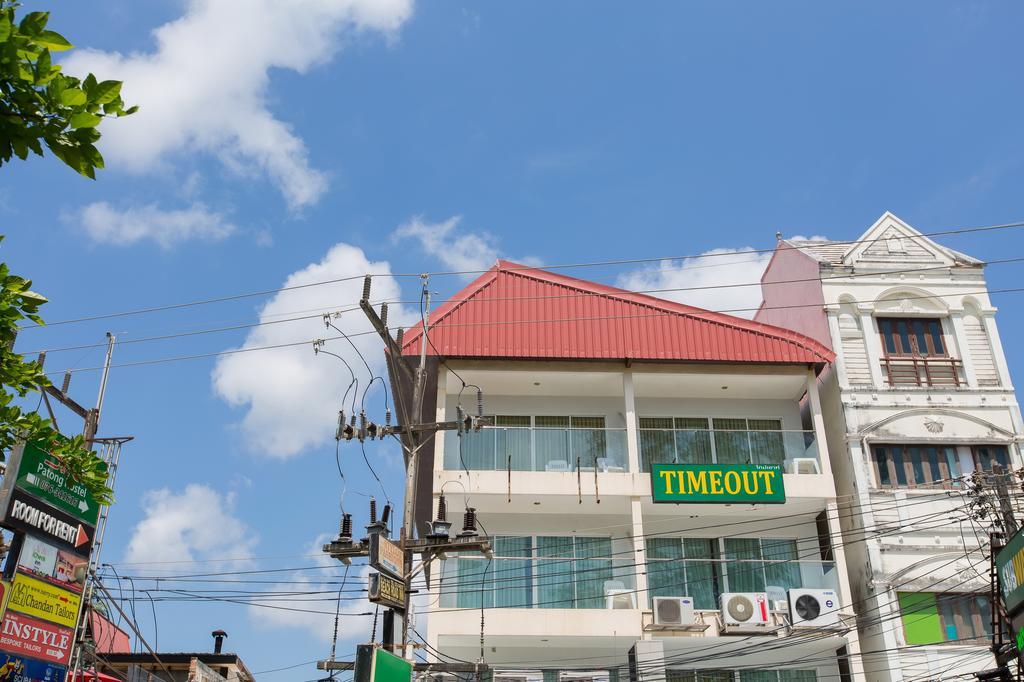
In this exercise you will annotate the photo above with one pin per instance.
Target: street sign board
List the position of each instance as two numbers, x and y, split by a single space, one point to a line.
28 514
14 668
718 483
386 556
385 590
43 560
34 638
38 599
374 664
39 473
1010 565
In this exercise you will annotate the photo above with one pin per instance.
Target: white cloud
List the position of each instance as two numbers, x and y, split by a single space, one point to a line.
307 603
105 224
196 524
292 396
702 279
455 247
203 89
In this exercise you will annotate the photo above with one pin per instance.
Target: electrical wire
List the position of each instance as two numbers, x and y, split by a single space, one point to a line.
594 318
578 294
562 266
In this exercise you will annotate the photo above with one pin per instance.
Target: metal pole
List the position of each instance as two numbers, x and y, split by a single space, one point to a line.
92 419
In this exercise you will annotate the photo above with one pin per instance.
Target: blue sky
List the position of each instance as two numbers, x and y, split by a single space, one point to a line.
339 137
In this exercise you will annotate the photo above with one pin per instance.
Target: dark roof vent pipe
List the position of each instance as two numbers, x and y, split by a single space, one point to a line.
218 640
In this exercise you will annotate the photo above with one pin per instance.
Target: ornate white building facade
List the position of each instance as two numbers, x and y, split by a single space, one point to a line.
918 398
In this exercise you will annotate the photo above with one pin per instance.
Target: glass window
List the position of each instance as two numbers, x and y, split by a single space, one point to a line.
917 465
732 444
918 336
986 455
683 568
657 441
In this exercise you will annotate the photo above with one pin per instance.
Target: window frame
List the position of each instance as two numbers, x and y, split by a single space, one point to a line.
912 337
907 467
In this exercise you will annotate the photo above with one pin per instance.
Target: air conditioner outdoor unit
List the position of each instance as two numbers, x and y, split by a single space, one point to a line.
674 611
744 609
619 598
813 608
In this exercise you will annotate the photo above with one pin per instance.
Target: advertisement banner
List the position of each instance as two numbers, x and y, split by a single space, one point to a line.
42 560
15 668
39 599
386 556
38 639
27 514
1010 564
386 591
718 483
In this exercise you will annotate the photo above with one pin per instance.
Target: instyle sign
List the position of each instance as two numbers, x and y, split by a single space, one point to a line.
386 556
1010 564
718 483
387 591
26 636
14 668
39 474
33 597
35 517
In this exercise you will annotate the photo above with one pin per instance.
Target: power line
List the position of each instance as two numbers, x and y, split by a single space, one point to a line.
580 294
179 358
562 266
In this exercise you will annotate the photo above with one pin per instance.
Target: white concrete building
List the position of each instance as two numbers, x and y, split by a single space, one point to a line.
589 388
919 397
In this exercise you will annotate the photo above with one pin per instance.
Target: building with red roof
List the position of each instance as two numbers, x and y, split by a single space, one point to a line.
655 479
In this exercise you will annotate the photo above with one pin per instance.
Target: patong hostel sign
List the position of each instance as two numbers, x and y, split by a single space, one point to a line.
718 483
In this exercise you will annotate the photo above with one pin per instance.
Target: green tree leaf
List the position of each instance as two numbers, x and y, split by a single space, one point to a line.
107 91
72 97
53 41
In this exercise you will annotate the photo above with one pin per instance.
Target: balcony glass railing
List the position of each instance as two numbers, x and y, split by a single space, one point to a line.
795 451
537 449
531 583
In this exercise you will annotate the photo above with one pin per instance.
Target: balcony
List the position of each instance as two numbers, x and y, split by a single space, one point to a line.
605 583
922 371
795 451
538 583
530 448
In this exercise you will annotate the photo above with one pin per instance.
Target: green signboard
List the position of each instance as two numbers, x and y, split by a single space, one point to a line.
374 664
39 474
1010 564
718 483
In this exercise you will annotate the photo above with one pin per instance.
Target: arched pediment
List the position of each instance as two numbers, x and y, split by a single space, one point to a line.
904 300
935 424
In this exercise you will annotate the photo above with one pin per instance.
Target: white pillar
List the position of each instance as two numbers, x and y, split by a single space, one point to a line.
989 318
650 660
632 440
957 318
639 551
837 347
855 660
818 421
872 344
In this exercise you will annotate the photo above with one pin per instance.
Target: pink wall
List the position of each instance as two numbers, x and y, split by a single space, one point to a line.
788 264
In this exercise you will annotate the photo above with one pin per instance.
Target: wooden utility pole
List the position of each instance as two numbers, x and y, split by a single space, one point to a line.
413 434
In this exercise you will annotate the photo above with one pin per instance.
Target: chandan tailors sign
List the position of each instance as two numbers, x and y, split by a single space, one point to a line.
718 483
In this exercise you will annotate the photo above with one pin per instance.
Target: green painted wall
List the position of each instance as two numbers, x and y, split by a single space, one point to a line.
920 613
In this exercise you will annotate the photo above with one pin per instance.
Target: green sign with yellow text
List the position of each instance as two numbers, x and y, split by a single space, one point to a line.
718 483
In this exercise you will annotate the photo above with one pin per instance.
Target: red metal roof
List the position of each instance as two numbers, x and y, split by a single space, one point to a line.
516 311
